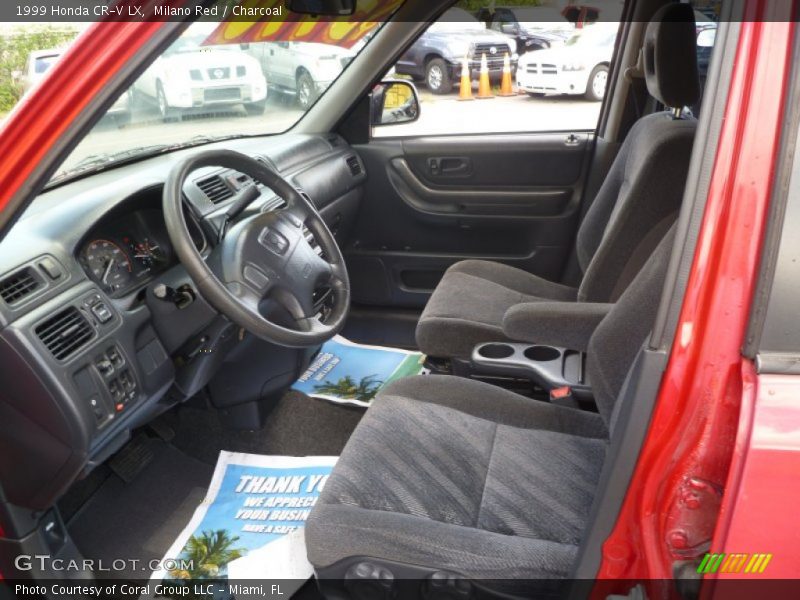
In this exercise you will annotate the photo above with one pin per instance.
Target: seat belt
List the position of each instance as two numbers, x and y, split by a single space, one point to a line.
635 77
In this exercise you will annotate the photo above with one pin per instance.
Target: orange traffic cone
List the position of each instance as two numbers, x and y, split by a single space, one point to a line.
465 93
506 87
484 86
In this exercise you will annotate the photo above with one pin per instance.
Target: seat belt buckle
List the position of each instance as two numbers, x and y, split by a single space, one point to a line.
562 396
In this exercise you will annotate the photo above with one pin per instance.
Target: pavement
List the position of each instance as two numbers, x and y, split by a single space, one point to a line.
439 115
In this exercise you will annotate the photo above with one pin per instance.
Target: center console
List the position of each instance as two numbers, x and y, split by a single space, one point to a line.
547 366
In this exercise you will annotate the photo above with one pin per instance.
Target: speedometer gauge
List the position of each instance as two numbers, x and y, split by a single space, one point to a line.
109 263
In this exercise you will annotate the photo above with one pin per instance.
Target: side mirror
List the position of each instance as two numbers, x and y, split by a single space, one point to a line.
16 76
508 28
335 8
394 102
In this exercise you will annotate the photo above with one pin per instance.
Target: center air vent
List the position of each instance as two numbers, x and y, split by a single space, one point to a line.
65 333
15 288
215 189
354 165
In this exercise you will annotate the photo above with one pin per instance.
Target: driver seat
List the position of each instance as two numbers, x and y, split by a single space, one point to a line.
449 482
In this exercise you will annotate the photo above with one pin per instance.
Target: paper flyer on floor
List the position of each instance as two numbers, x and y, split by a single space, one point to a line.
250 524
350 373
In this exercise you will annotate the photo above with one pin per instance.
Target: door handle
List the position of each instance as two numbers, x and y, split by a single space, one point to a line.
450 166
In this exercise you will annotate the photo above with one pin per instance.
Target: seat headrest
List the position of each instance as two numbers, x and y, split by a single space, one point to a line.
670 56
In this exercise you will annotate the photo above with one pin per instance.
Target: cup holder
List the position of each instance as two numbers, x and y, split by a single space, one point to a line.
549 367
496 351
542 353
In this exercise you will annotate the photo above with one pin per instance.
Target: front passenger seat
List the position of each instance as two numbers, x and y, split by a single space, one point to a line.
637 203
448 479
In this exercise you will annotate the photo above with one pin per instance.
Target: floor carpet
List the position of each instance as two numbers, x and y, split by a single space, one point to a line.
109 519
140 520
298 426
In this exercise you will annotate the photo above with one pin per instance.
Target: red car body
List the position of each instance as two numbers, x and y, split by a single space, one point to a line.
708 383
716 421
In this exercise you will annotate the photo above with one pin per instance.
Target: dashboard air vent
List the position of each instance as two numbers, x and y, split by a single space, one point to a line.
18 286
354 165
65 333
215 189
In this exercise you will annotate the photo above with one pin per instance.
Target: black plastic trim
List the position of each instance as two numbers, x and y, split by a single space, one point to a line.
773 335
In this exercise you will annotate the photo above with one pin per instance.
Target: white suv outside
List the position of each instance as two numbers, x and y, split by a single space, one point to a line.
193 77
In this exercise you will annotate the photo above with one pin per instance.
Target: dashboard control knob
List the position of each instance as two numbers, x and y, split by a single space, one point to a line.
104 366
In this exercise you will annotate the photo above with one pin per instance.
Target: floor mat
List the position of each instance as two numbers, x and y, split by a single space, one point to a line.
250 524
139 520
298 426
350 373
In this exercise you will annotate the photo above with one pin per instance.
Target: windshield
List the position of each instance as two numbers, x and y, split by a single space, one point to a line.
456 20
198 91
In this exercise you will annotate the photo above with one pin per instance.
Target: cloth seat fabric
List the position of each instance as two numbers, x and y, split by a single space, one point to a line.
449 471
468 305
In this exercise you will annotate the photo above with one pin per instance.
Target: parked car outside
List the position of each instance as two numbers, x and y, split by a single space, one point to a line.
578 67
40 62
532 27
193 77
303 69
36 67
436 57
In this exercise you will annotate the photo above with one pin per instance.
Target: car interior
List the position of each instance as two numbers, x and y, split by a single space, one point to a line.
531 278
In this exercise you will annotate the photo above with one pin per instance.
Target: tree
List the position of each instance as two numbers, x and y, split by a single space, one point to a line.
207 554
14 50
347 388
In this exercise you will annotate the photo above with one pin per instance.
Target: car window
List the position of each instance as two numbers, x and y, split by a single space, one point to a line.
558 61
557 71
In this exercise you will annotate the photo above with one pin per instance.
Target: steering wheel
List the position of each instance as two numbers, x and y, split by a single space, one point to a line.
262 257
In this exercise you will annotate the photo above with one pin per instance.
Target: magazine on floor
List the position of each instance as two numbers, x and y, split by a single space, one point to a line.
350 373
250 524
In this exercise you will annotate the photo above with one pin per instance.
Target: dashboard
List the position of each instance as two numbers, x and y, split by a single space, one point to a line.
90 348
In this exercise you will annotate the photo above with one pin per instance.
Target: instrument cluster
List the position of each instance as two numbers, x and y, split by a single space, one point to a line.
123 254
